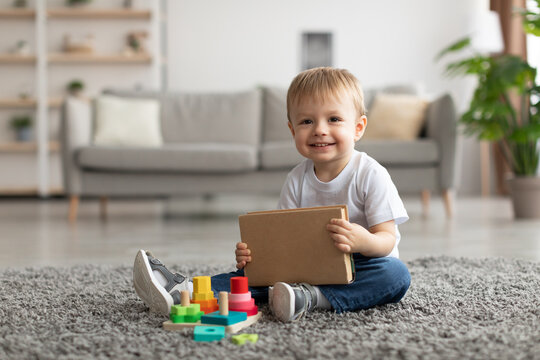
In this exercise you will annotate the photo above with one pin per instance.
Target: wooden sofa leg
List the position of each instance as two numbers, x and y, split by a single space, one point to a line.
73 208
103 207
426 196
448 198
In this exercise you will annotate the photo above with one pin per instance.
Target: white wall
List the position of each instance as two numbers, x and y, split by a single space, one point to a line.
216 45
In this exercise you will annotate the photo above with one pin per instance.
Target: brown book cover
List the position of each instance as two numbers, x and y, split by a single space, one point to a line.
294 246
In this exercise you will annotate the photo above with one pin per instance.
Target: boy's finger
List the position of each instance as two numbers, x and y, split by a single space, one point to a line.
241 245
343 223
243 252
342 239
344 248
336 229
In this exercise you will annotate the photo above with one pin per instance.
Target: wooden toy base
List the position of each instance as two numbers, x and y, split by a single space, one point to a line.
231 329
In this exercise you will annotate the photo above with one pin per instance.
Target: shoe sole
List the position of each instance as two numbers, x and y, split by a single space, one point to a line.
148 288
283 302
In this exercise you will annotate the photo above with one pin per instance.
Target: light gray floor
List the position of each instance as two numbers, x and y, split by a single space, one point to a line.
36 232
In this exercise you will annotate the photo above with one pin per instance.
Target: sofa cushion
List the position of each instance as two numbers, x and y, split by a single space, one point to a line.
399 152
396 116
275 115
127 122
200 158
369 94
229 117
279 155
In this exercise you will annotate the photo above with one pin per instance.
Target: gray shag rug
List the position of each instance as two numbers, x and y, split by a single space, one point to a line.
456 308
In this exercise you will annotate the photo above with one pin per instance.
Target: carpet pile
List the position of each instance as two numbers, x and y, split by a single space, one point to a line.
455 308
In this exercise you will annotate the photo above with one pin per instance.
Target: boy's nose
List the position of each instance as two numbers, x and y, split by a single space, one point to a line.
320 129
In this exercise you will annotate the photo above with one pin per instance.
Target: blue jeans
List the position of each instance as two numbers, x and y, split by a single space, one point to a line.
378 281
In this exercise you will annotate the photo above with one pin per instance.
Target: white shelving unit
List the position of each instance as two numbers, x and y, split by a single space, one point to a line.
53 68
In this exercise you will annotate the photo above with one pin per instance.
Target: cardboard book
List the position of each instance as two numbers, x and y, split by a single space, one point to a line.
294 246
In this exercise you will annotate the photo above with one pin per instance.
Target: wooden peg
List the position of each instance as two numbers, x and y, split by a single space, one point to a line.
184 297
223 303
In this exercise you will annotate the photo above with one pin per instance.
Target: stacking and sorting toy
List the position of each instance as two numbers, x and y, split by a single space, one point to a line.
203 294
208 333
185 312
240 297
224 316
243 338
203 312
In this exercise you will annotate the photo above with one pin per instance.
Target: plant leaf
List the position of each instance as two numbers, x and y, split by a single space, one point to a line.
526 134
458 45
530 19
476 65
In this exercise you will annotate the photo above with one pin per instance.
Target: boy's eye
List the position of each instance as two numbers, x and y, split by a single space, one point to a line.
334 119
306 121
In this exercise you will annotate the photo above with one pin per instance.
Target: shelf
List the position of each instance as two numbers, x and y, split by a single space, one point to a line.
28 103
68 13
99 59
23 13
26 147
17 59
56 102
28 191
17 103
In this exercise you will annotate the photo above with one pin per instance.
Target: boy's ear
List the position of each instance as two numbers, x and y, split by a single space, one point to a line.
291 128
360 127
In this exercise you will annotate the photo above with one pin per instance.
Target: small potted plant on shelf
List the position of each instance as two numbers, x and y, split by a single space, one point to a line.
21 48
135 43
493 116
20 3
77 2
22 124
75 87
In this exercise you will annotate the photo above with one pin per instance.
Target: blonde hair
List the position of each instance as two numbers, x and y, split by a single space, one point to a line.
322 83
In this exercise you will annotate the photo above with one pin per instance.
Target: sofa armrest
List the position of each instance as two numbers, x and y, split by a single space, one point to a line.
442 127
75 131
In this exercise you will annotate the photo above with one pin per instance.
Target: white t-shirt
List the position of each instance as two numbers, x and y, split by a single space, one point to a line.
363 185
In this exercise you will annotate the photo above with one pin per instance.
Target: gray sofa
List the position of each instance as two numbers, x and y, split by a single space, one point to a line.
234 143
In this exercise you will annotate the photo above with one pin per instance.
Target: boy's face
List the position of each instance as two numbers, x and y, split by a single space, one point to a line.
326 132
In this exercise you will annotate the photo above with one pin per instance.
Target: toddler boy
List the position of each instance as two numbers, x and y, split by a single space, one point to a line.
326 113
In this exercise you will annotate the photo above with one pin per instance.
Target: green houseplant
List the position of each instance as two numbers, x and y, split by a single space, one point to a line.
22 124
505 108
75 87
77 2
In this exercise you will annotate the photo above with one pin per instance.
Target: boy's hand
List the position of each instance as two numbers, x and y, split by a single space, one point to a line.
242 255
349 237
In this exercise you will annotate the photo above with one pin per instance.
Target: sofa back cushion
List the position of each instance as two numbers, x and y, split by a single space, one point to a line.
396 116
127 122
233 117
371 93
275 115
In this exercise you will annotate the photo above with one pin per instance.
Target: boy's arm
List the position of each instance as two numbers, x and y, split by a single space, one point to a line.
348 237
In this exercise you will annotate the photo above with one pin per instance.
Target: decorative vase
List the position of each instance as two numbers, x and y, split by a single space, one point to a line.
525 193
24 134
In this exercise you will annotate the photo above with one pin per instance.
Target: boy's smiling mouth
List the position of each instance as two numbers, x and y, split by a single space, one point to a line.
321 144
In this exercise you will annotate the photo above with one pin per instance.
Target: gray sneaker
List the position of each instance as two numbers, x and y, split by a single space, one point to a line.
290 302
157 297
